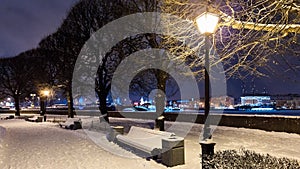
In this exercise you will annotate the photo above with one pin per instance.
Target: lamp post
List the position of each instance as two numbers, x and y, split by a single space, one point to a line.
207 24
32 100
43 100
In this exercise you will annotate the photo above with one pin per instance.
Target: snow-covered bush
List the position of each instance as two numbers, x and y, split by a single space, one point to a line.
229 159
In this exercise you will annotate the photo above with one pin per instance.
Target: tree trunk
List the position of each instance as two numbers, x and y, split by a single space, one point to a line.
160 96
17 105
71 112
42 106
103 108
161 85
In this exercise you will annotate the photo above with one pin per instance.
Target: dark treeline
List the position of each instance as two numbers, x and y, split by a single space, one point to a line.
51 64
244 51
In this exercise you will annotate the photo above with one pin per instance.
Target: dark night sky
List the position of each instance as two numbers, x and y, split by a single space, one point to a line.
23 23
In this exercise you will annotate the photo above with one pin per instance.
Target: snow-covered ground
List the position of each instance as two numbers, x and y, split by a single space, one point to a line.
28 145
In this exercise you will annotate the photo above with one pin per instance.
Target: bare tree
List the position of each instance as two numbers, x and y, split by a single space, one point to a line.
17 77
62 51
64 45
110 62
146 81
252 38
96 14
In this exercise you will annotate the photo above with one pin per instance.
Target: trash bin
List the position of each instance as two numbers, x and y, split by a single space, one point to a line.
173 151
160 123
115 130
119 129
77 125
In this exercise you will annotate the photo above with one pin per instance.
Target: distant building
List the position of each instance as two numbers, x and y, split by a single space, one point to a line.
255 100
222 102
290 101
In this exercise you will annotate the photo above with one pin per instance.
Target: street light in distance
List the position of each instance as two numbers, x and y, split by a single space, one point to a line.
44 95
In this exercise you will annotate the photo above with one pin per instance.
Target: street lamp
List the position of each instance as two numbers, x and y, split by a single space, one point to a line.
207 24
46 93
32 102
43 99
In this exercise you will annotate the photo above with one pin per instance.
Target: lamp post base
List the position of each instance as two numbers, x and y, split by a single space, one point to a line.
207 147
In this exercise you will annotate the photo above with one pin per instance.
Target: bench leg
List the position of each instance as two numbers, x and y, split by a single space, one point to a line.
155 157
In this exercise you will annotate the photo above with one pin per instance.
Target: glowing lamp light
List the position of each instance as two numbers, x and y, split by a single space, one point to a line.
207 22
46 92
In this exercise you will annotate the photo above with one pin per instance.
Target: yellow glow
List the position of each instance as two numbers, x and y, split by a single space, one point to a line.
46 92
207 22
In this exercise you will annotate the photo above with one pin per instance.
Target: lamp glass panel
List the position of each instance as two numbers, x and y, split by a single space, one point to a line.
207 22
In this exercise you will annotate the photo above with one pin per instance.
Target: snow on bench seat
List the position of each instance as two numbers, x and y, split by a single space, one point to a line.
56 118
36 119
71 123
146 140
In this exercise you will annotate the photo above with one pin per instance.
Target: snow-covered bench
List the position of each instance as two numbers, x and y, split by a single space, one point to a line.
56 118
147 141
35 119
7 117
72 123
